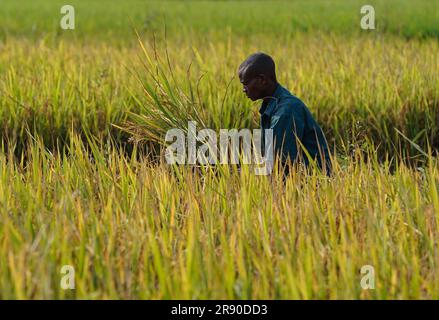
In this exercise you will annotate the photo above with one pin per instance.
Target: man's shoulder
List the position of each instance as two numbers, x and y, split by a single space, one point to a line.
289 104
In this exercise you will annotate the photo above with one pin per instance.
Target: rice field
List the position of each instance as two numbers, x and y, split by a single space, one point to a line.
83 114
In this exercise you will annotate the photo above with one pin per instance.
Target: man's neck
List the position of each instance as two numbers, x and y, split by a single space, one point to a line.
270 92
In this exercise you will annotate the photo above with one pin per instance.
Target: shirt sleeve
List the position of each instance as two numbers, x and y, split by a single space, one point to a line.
285 128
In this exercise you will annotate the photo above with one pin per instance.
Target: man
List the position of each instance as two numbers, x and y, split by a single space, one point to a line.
288 117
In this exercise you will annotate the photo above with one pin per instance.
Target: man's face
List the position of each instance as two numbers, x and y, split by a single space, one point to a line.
252 86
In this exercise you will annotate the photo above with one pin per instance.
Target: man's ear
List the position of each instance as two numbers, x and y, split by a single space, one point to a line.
263 79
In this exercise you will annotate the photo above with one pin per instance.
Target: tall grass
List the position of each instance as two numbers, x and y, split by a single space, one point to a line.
110 20
361 90
136 230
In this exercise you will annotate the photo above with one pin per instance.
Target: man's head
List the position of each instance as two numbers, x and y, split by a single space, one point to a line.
257 75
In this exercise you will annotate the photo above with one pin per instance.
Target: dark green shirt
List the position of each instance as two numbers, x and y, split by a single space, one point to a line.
289 117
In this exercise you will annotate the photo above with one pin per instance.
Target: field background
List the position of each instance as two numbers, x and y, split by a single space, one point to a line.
77 190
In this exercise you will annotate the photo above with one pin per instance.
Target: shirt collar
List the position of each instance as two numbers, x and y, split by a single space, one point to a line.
267 108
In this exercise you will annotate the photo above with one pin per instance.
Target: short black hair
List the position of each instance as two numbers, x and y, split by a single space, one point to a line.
258 63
